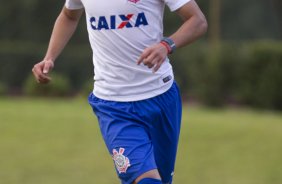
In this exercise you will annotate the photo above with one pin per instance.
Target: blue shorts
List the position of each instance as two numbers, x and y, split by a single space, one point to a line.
141 135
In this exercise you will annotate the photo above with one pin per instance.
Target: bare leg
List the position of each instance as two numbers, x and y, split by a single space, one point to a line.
150 174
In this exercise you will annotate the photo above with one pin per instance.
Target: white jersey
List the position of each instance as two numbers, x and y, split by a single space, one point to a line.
119 31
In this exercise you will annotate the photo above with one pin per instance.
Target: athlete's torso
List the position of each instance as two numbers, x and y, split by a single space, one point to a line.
119 31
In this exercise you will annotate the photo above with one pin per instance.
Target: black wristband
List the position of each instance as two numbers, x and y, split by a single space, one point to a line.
171 44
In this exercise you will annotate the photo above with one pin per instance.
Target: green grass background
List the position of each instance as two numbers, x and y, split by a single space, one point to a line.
47 141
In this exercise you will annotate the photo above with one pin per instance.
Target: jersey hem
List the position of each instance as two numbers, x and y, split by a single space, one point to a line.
131 98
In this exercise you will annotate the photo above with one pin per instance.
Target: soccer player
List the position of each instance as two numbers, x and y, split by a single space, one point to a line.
135 97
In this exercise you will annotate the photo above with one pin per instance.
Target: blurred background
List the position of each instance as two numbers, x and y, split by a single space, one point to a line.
231 82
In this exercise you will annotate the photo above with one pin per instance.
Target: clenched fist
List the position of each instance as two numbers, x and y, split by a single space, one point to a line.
41 71
153 57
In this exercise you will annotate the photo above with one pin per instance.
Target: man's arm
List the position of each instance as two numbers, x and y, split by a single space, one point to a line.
194 26
63 30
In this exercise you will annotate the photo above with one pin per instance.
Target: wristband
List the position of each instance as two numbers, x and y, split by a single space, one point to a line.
170 43
166 46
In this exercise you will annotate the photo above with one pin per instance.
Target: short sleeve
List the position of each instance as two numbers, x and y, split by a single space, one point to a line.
175 4
73 4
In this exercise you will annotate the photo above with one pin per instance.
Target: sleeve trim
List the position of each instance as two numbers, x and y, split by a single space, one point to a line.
73 7
178 5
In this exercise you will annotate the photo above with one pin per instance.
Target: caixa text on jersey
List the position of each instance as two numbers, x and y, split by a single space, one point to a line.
118 21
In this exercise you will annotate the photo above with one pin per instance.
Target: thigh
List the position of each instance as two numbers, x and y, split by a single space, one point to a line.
126 137
165 132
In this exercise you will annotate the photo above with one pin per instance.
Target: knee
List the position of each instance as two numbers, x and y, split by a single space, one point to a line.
149 181
150 177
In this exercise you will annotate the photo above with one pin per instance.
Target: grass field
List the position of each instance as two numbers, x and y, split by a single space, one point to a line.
58 142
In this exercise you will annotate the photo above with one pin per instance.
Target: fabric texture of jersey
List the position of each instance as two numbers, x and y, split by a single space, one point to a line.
119 31
141 135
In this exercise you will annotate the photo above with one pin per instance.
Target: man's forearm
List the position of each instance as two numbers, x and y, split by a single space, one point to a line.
195 25
64 28
190 31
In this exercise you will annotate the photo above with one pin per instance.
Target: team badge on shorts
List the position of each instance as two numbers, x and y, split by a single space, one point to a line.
122 162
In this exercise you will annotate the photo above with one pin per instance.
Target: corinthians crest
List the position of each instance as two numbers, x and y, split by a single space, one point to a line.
121 162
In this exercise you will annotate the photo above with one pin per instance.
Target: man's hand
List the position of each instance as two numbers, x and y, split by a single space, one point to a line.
65 26
153 57
41 71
